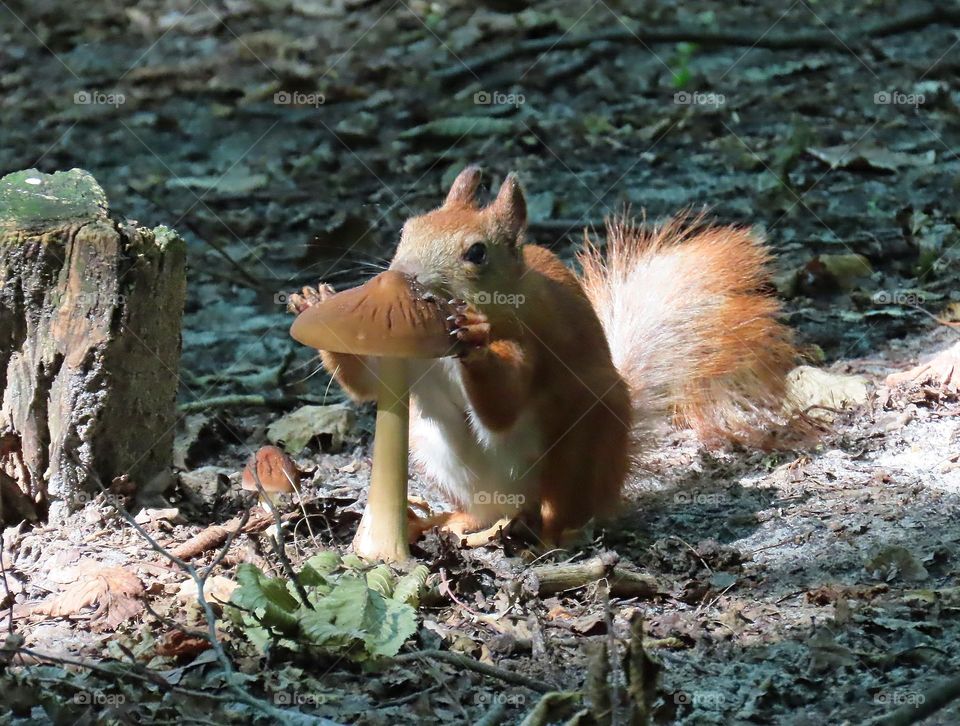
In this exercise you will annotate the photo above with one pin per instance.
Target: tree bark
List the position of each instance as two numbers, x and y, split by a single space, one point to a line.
90 313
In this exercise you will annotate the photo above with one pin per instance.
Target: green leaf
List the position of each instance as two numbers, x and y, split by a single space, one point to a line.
266 597
397 623
353 613
320 566
381 579
411 586
349 603
317 628
353 562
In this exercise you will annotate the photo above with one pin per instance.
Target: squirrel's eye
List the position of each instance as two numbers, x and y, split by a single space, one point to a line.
477 253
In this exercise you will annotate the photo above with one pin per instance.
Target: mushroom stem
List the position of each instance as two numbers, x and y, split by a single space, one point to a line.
382 533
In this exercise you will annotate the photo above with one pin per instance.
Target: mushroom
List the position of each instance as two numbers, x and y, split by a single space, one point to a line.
389 318
273 470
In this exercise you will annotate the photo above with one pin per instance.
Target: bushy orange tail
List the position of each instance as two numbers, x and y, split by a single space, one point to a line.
688 325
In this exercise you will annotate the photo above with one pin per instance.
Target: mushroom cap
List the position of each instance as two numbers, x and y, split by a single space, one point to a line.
276 471
388 315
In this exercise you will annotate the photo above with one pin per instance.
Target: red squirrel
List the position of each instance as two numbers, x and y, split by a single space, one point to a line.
560 378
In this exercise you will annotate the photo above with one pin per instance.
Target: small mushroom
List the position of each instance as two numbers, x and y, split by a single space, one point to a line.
390 318
274 470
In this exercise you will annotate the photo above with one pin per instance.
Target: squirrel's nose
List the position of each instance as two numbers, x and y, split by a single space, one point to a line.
411 265
411 268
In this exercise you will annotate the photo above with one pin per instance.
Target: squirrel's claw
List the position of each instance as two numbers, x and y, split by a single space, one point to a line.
469 326
308 297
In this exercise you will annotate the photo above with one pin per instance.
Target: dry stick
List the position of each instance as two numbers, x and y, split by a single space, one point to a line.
231 536
114 674
694 552
461 661
640 35
551 579
283 716
216 534
6 586
710 38
237 401
933 700
947 323
913 21
277 541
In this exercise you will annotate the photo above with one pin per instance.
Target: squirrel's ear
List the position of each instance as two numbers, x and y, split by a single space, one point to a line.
510 206
464 188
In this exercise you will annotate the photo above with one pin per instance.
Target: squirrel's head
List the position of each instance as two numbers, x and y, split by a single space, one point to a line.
462 249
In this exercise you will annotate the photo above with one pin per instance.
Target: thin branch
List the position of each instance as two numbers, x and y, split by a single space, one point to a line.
118 673
932 701
226 665
8 596
276 540
645 35
461 661
237 401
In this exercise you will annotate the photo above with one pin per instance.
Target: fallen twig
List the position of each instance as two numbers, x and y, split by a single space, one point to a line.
918 709
277 539
238 689
155 679
644 35
462 661
216 534
237 401
550 579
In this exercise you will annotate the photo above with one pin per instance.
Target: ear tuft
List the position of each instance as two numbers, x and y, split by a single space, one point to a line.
463 191
510 206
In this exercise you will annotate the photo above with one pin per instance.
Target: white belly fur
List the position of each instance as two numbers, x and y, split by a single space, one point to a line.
490 475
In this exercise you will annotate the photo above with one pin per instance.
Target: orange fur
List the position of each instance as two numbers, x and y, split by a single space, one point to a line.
355 374
580 399
498 380
689 327
557 388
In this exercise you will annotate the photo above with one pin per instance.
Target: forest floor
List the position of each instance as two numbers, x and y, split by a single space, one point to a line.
288 140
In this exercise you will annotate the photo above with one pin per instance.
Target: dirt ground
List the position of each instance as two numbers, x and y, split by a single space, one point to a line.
287 140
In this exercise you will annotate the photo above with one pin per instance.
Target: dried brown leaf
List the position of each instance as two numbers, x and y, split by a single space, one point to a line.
178 644
115 592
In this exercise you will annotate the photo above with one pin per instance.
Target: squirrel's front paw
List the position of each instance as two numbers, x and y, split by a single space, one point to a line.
469 326
308 297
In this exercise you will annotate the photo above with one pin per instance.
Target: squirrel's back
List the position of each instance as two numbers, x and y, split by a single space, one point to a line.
582 401
689 326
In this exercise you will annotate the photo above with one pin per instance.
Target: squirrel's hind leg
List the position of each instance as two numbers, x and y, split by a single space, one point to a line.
468 529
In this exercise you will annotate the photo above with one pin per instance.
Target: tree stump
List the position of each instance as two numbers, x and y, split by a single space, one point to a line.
90 313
